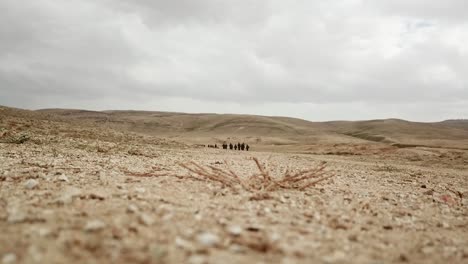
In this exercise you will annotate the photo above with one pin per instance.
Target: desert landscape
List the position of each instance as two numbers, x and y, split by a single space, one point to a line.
82 186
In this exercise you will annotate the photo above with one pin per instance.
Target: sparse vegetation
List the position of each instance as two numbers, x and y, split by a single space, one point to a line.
263 180
15 139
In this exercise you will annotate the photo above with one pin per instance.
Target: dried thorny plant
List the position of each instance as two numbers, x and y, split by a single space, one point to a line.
262 181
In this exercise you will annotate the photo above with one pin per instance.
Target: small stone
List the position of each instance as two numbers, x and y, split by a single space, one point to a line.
145 219
236 248
198 217
43 232
429 192
96 195
197 259
9 258
94 225
424 186
140 190
254 228
353 238
234 230
337 256
16 216
282 199
31 184
184 244
35 255
66 197
62 178
443 225
208 239
132 209
167 217
403 258
427 250
275 237
158 253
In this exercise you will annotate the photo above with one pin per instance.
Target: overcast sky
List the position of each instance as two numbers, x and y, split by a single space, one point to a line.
318 60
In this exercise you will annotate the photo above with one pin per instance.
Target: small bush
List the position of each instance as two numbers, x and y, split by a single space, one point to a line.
263 181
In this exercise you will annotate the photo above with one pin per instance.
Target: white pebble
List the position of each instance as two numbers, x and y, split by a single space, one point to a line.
94 225
63 178
132 208
31 184
198 217
234 230
9 258
184 244
197 259
43 232
337 256
140 190
16 216
66 197
208 239
145 219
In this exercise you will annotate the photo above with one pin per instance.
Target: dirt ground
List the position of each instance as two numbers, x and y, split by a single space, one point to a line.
72 194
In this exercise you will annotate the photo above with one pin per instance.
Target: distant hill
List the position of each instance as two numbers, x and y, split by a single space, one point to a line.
266 130
168 123
285 130
456 123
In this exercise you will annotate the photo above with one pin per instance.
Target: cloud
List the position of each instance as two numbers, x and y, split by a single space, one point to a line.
301 55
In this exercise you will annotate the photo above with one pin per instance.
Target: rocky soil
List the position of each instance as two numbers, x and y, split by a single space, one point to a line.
70 193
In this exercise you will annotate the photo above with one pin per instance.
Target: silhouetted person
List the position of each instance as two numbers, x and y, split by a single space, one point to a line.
242 146
230 146
247 147
216 146
235 147
238 146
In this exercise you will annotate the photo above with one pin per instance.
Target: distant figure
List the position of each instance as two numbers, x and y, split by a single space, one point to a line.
225 146
215 146
230 146
235 147
238 146
247 147
242 146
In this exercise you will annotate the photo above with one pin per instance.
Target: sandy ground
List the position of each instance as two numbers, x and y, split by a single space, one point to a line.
70 194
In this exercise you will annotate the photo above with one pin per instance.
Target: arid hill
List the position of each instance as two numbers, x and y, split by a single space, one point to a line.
281 131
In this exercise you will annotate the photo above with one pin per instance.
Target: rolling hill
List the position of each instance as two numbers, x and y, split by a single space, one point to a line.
278 130
282 132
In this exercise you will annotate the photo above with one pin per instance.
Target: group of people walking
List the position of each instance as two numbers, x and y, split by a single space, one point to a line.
238 146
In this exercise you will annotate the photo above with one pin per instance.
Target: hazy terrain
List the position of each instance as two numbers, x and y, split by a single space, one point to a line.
290 133
86 187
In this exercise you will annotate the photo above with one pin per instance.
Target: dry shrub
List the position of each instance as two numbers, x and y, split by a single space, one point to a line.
263 181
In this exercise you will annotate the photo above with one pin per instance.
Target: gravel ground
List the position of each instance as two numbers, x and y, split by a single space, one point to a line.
71 194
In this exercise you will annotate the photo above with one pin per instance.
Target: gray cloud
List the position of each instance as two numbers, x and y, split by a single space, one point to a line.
348 59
